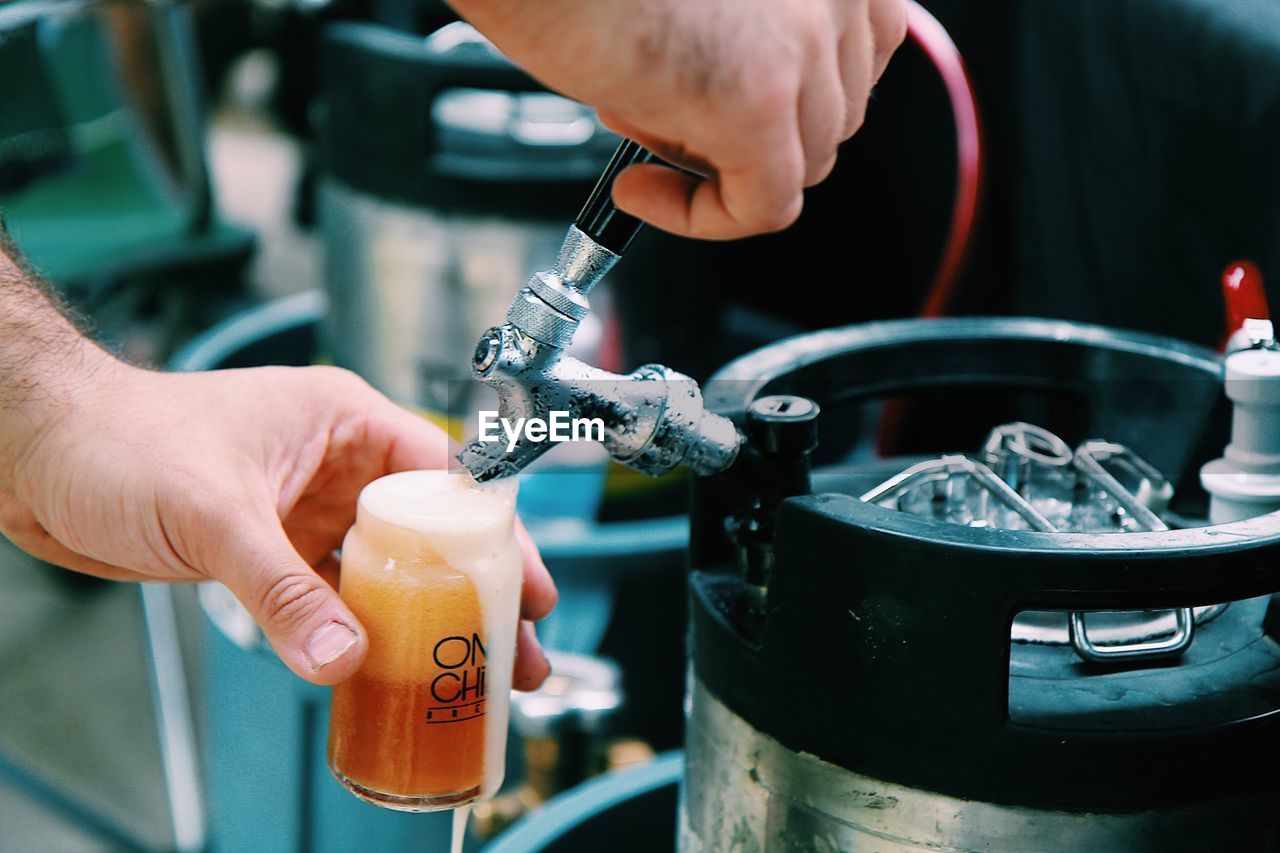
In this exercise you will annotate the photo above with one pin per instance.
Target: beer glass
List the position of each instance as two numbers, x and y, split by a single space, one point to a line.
433 571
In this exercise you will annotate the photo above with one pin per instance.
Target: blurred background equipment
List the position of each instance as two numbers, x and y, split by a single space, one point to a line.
103 177
447 176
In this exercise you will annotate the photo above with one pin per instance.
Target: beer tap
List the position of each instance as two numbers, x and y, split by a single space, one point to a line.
653 420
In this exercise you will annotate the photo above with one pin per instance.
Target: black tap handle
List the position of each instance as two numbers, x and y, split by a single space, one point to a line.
600 218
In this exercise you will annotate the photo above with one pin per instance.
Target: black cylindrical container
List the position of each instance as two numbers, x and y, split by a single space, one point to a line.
448 177
873 699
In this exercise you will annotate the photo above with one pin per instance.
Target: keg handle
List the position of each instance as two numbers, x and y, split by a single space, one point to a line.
1088 459
1175 646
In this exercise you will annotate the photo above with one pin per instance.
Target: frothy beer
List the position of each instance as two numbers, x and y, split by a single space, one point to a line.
432 570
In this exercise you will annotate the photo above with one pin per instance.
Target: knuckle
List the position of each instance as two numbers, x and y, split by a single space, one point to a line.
822 171
855 116
815 30
899 25
291 600
340 378
773 97
777 217
210 510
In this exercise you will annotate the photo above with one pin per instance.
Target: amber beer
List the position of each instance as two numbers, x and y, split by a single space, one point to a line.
432 570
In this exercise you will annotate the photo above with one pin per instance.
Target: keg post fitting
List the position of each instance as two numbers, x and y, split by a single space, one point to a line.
782 434
1245 480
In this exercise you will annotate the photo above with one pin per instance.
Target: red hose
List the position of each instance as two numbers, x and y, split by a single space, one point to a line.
927 32
936 43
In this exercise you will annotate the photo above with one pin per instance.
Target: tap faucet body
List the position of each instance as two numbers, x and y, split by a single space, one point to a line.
653 419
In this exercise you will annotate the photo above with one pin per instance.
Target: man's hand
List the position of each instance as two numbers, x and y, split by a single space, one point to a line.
754 94
248 477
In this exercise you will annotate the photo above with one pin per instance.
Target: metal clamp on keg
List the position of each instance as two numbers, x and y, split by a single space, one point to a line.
653 420
1039 483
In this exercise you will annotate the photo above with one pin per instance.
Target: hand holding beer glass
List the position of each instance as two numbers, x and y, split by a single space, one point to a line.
432 569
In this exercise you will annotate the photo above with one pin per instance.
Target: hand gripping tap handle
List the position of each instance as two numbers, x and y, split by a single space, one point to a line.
600 219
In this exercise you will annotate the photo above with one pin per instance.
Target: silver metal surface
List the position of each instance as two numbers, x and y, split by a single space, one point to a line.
654 419
1174 646
1034 475
554 302
410 290
1026 441
1088 460
949 471
534 318
175 720
745 792
582 262
559 295
412 285
1106 628
580 696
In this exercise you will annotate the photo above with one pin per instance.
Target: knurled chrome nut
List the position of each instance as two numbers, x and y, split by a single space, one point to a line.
552 290
539 321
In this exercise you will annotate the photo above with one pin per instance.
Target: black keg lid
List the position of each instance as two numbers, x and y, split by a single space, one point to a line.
449 122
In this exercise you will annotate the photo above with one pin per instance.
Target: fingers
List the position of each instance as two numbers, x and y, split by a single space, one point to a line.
825 116
307 624
889 29
538 597
776 138
539 594
532 666
417 444
672 152
413 443
731 204
858 72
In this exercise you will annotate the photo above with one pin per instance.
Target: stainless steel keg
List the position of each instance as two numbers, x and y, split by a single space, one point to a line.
881 650
448 175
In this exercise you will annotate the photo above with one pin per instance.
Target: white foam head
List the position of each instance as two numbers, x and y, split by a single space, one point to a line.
432 502
454 512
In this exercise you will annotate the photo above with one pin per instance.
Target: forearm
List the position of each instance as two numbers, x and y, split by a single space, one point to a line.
44 360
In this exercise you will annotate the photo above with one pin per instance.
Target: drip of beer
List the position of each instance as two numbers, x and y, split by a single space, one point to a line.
460 815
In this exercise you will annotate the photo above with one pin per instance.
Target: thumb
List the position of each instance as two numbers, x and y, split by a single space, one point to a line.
311 629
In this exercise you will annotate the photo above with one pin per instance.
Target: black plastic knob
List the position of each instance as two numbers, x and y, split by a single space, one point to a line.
600 219
783 425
